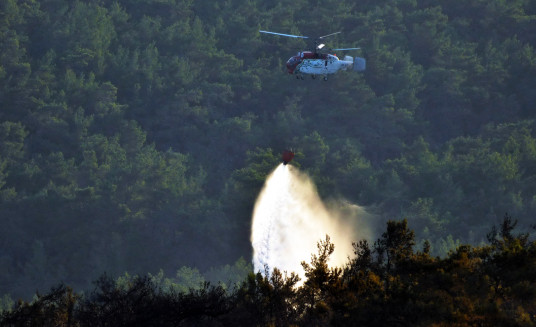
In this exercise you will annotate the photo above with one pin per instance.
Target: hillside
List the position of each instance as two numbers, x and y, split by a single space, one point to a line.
135 135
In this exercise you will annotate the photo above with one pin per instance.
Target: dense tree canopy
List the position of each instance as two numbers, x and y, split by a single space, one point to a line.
135 136
388 284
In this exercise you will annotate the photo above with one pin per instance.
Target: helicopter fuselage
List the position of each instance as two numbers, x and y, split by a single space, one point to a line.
311 63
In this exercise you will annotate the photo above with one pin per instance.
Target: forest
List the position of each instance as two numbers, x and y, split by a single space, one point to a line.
135 136
386 284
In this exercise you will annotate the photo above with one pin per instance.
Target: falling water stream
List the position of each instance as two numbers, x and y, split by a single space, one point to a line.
290 218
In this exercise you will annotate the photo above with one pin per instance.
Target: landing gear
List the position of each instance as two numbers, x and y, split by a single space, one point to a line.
325 78
313 76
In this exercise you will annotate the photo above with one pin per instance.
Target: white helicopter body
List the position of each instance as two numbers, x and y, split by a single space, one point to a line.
320 64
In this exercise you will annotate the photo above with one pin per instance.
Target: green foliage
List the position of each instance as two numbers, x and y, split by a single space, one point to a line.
6 304
230 276
487 285
135 135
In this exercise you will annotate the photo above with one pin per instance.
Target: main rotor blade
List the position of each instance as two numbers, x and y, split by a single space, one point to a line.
344 49
321 37
289 35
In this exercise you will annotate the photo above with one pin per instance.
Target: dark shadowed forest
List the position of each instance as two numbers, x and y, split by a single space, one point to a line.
135 136
386 284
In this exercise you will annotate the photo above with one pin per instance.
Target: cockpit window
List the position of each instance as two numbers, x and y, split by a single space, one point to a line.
293 60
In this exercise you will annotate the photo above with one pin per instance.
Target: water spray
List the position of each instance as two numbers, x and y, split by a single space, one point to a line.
289 219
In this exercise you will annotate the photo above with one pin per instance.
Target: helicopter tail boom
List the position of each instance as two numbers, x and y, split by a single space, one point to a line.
360 64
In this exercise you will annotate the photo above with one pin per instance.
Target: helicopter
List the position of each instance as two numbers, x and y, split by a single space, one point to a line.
315 63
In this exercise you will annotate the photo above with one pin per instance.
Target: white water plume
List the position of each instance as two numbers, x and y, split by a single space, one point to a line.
289 219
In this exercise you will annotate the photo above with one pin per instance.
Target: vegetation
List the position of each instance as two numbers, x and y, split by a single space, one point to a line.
135 135
387 284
